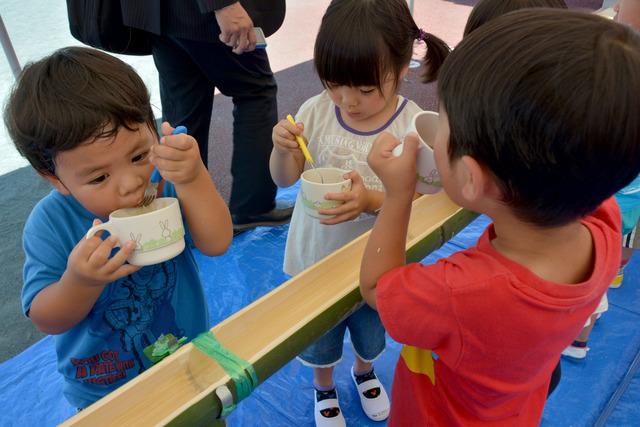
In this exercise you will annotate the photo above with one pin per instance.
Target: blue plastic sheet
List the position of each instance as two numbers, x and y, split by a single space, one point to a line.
31 388
627 411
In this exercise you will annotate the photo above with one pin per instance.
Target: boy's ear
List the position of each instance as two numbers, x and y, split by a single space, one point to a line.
57 184
478 183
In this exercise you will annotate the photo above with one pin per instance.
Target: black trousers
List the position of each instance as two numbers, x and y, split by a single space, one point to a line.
189 72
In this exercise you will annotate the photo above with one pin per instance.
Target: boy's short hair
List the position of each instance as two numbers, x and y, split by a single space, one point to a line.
486 10
547 100
74 95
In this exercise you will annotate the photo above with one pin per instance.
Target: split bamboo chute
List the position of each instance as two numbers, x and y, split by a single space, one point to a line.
181 389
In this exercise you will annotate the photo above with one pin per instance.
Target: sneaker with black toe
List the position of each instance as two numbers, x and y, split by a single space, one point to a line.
577 350
327 412
276 216
373 397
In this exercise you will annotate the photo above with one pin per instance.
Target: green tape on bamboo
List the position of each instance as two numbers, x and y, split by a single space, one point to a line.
241 372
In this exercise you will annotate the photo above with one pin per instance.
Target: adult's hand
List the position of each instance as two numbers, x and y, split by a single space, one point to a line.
236 28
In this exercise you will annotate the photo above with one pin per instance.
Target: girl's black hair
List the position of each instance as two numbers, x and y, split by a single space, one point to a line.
361 42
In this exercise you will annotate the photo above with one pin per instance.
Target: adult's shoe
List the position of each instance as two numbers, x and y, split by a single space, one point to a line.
276 216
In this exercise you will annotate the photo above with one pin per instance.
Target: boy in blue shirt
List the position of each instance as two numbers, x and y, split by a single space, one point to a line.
83 120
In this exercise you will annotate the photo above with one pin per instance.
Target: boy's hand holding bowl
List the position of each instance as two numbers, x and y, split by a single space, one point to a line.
425 125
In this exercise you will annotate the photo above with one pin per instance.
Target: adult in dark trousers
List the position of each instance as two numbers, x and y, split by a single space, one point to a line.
200 45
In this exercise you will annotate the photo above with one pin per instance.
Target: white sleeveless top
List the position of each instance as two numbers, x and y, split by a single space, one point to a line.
334 144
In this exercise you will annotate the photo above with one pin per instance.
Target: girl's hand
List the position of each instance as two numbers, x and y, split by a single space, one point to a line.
89 263
284 137
356 201
398 174
177 157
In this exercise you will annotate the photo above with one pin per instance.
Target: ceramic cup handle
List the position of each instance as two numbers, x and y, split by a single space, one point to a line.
105 226
397 150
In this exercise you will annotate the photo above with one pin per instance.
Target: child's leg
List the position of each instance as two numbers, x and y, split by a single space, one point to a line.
583 337
555 379
578 349
361 366
629 202
626 256
323 378
322 356
367 336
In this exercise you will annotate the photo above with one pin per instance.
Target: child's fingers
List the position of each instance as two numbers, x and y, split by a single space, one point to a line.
343 196
180 142
101 254
119 258
356 179
411 144
384 144
124 270
166 128
86 247
336 219
345 208
172 153
286 142
286 131
166 166
339 210
96 221
293 128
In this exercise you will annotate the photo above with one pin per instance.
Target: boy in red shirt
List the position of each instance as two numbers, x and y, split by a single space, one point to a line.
533 133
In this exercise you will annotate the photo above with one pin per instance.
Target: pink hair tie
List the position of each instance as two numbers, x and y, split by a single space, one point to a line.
422 35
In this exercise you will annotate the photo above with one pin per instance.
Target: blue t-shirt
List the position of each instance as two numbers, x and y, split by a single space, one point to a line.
105 350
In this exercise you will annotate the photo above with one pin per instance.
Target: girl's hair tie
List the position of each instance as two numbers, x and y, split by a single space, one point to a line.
422 35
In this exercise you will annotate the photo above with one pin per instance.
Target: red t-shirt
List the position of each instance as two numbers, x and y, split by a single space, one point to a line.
497 331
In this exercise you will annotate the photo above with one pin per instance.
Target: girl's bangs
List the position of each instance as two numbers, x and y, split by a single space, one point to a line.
356 62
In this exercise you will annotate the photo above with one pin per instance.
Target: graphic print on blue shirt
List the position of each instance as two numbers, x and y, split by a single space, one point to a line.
139 310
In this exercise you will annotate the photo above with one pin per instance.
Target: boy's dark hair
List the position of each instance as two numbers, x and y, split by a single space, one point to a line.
547 100
486 10
74 95
361 41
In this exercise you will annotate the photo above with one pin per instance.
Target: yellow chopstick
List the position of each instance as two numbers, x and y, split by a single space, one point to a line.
303 146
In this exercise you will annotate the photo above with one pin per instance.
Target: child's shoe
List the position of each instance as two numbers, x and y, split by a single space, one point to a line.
373 397
327 412
617 281
577 350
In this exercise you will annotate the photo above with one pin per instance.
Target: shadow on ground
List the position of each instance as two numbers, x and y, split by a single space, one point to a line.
20 190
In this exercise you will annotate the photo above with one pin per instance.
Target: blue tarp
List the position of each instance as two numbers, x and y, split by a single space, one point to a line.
31 388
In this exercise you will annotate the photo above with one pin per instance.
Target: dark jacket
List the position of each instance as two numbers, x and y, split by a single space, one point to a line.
195 19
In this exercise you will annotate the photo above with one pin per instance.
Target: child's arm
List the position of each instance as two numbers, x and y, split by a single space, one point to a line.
287 161
63 304
385 248
178 160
